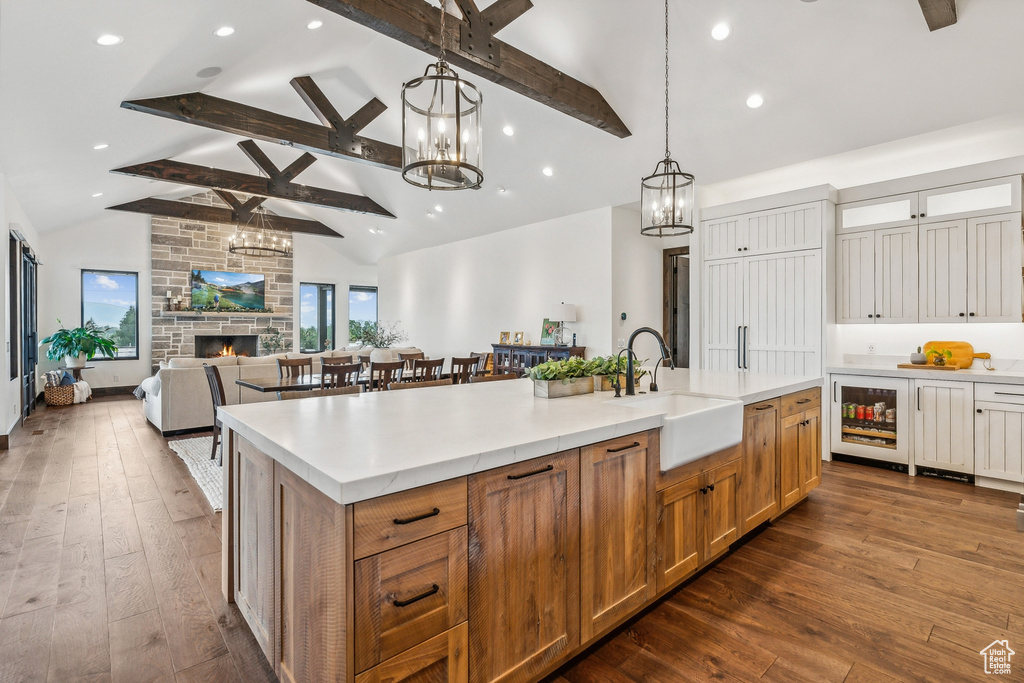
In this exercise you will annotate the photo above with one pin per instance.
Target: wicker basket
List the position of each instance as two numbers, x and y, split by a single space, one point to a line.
59 395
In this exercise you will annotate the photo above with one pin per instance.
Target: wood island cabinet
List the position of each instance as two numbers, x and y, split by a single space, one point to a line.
759 497
800 446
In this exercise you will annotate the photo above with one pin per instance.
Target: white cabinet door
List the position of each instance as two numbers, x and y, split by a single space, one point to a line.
942 269
987 197
999 441
855 284
994 269
724 237
782 230
873 214
896 275
944 431
782 311
723 314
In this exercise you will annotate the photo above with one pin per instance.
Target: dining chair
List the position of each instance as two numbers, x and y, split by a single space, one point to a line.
382 375
342 359
311 393
217 394
463 369
408 358
294 367
420 385
426 370
347 375
364 358
492 378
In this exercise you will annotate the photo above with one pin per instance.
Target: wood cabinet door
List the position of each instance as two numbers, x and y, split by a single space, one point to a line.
789 459
999 441
994 269
442 659
944 429
896 280
758 493
255 575
723 314
721 520
616 533
942 272
810 450
680 539
855 279
524 522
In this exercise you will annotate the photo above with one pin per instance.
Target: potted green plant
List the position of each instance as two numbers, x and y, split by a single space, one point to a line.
558 378
939 356
78 345
382 336
606 371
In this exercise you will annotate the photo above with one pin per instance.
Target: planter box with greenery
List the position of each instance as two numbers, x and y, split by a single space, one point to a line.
558 378
79 345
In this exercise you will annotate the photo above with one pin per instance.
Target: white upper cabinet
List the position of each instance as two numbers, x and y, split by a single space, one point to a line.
877 276
1000 195
763 232
855 283
942 266
873 214
994 269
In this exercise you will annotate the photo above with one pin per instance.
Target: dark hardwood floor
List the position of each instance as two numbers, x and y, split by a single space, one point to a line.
110 571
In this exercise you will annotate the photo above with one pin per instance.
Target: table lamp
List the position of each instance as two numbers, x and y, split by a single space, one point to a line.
564 313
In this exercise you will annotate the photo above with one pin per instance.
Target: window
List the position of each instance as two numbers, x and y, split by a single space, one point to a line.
110 300
362 310
316 317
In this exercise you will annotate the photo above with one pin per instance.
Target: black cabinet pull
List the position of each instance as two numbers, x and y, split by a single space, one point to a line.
704 489
923 215
530 474
803 401
433 513
711 487
767 407
870 315
980 411
971 314
878 315
961 315
405 603
913 215
624 448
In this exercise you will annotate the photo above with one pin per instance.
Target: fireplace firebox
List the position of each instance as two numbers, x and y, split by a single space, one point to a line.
214 345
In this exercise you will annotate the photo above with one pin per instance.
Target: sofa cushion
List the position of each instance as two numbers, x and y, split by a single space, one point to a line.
199 362
261 360
151 385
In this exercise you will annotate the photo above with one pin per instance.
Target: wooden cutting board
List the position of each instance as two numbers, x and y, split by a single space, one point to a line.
927 366
963 353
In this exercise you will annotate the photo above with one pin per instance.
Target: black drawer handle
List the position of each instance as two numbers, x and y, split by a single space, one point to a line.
703 489
768 407
433 513
624 448
405 603
711 487
803 401
513 477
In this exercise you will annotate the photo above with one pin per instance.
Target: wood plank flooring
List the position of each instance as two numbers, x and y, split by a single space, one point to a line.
110 571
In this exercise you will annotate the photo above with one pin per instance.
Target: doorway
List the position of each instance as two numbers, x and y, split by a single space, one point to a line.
676 312
29 331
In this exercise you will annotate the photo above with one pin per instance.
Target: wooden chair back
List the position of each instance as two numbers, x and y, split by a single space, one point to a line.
347 375
408 358
427 370
343 359
217 394
294 367
383 375
492 378
463 369
311 393
420 385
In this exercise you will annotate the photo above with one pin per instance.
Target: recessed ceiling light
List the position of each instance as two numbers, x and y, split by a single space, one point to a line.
548 172
501 189
439 208
430 213
209 72
224 31
376 231
315 24
108 39
97 194
102 145
755 101
508 130
720 31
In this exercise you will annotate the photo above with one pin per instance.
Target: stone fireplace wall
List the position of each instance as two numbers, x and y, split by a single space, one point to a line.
178 246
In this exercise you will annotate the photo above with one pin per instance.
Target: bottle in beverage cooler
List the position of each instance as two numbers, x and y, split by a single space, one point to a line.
860 412
869 413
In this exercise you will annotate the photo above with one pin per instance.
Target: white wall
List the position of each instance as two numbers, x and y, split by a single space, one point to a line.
456 298
1002 340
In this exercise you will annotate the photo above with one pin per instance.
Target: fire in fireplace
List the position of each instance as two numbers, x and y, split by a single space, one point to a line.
218 345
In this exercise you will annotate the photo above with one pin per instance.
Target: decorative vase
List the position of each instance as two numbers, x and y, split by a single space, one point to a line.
75 361
380 356
918 358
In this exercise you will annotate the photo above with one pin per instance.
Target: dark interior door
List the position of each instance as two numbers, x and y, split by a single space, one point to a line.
29 332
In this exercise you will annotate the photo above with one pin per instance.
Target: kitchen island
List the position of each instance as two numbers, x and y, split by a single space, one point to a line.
478 533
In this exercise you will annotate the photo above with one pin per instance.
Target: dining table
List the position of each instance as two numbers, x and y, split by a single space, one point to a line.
300 383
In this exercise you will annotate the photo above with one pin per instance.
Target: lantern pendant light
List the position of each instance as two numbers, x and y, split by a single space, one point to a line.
441 128
666 196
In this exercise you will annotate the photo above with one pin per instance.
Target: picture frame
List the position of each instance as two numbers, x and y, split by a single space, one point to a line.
518 339
504 337
547 332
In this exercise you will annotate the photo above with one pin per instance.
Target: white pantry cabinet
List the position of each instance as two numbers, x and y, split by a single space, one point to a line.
877 276
944 425
762 232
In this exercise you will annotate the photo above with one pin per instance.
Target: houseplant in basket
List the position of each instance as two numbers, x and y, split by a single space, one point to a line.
78 345
557 378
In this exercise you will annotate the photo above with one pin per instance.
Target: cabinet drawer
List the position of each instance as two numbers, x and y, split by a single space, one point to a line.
800 401
623 443
407 595
442 659
999 393
390 521
762 407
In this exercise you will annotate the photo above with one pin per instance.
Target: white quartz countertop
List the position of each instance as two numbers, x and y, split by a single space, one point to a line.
353 448
1011 373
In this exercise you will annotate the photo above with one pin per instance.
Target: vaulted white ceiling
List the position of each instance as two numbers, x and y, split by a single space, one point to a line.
835 75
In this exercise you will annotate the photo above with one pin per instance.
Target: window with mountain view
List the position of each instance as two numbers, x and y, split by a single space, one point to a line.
362 311
110 301
316 317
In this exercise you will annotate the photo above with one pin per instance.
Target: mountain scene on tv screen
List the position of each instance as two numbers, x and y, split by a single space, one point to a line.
217 291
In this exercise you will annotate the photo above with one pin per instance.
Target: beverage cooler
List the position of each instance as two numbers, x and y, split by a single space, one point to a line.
870 418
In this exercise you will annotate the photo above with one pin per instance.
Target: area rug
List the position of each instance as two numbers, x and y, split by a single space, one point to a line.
196 454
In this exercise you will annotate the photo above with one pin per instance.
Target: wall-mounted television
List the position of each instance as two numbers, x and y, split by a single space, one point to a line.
213 290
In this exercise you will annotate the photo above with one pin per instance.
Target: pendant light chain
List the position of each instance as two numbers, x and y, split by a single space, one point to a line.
668 154
443 12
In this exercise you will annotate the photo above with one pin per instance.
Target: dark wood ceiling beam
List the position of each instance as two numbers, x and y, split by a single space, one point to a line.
503 12
416 23
231 117
233 181
938 13
216 214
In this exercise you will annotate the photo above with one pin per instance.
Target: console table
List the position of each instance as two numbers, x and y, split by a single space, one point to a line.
518 358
